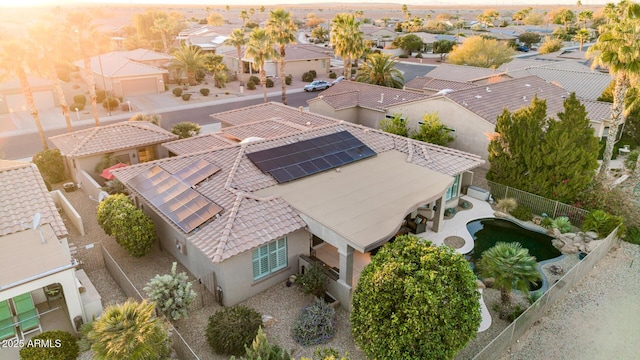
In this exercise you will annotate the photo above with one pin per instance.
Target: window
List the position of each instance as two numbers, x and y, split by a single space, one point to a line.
269 258
324 63
453 190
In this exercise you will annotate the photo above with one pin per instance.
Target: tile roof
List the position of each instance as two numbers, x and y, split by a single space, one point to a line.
597 110
271 110
143 55
248 221
23 193
292 53
265 129
421 83
114 66
349 94
461 73
197 144
110 138
586 84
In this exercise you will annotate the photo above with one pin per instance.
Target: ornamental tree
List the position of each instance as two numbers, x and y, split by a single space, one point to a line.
433 131
481 52
415 301
172 293
395 125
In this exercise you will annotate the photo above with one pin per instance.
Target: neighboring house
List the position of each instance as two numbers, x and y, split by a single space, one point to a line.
469 74
130 142
431 86
298 60
197 143
271 110
12 99
428 38
379 36
34 256
256 214
129 73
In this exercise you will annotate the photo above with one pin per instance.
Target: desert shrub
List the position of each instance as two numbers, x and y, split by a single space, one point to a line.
254 79
231 329
333 75
64 346
288 79
353 71
50 165
464 204
269 83
73 107
177 91
172 293
80 99
315 324
261 349
251 85
601 222
546 222
313 281
562 223
631 159
185 129
155 119
506 205
101 96
186 97
522 213
328 354
204 92
114 186
517 311
313 73
419 56
403 56
110 103
633 235
534 296
307 77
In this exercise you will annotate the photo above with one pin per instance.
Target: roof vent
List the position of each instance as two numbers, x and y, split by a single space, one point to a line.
464 103
524 98
478 96
381 98
487 88
527 85
301 109
308 123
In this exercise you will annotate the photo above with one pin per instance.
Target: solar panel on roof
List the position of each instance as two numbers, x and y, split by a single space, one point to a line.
294 161
193 174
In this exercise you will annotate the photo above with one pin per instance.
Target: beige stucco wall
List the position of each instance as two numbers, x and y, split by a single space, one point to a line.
322 108
299 67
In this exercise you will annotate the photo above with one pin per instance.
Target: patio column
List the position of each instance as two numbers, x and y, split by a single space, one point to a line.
346 264
438 218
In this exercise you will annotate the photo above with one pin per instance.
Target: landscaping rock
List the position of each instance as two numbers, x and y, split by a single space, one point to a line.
557 243
592 245
500 214
570 235
488 282
592 234
569 249
481 285
554 233
268 320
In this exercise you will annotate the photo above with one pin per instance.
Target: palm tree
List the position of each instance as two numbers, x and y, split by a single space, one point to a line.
584 16
347 40
260 49
379 69
163 26
283 32
512 268
320 32
188 59
616 49
213 64
244 16
238 40
14 58
129 331
583 35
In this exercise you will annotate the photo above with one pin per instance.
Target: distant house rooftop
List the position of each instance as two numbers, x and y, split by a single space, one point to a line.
349 94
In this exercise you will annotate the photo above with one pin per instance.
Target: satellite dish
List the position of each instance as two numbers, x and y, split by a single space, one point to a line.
36 220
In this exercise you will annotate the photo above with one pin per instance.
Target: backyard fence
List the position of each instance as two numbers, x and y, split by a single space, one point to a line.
539 204
518 327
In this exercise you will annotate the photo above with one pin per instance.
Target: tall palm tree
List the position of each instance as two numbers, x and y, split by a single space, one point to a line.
129 331
585 15
583 35
14 57
260 49
379 69
512 268
347 40
282 30
162 26
320 32
238 40
189 59
617 48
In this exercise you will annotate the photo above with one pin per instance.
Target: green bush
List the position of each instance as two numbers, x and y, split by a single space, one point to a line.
230 330
601 222
73 107
288 79
419 56
177 91
633 235
307 77
261 349
254 79
522 213
51 165
186 97
172 293
506 205
80 99
110 104
62 346
563 224
631 159
101 96
204 92
185 129
313 281
403 56
546 222
315 324
114 186
333 75
269 83
313 73
449 211
251 85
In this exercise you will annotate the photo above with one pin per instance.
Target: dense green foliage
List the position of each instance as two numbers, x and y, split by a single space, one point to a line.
481 52
51 165
185 129
204 91
548 157
232 329
315 324
131 227
129 331
261 349
550 45
529 38
409 43
254 79
562 223
396 125
107 160
522 213
313 281
601 222
443 47
379 69
64 346
114 186
415 301
433 131
251 85
177 91
172 293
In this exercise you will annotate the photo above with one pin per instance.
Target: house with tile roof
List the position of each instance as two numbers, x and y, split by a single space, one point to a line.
12 98
469 74
379 36
129 142
35 258
430 86
299 59
268 218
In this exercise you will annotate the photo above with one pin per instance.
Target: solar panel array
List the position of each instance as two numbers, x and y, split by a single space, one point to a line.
174 197
294 161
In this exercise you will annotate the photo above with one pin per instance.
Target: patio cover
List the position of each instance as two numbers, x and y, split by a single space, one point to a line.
363 203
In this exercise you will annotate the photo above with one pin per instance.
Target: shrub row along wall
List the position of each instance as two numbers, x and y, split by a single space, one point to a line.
539 204
518 327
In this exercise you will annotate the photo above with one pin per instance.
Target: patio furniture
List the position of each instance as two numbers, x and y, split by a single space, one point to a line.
7 327
28 317
417 225
53 292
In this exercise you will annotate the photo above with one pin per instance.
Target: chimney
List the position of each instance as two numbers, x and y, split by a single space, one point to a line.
300 108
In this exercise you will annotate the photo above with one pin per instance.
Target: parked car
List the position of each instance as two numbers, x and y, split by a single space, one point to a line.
317 85
337 80
522 48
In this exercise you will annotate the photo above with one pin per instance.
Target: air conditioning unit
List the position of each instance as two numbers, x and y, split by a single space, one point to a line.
478 193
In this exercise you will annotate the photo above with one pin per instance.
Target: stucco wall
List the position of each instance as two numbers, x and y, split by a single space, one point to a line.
299 67
322 108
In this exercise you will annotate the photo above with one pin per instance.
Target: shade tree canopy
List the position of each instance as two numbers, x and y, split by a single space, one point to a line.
481 52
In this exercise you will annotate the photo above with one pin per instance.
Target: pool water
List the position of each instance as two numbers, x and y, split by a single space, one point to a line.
487 232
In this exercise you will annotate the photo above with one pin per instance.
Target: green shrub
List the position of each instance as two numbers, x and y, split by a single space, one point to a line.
185 129
307 77
177 91
51 165
172 293
353 71
403 56
114 186
601 222
204 92
562 223
449 211
230 330
101 96
186 97
633 235
254 79
506 205
419 56
269 83
546 222
73 107
631 159
80 99
110 104
261 349
313 73
251 85
522 213
288 79
333 75
313 281
63 346
315 324
464 204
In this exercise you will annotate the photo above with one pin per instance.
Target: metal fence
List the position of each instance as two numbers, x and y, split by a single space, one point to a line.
539 204
518 327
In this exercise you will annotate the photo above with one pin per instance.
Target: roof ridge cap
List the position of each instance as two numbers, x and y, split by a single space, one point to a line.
86 139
